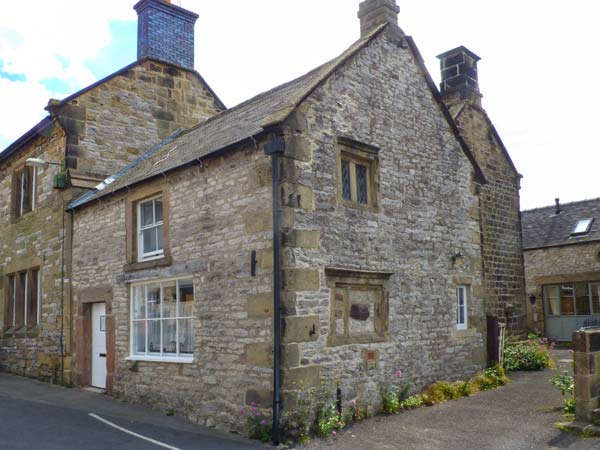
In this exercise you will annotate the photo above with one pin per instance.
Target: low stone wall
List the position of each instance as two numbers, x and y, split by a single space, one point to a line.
586 344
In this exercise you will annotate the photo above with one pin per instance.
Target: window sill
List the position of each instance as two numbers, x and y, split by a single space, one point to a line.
165 359
149 264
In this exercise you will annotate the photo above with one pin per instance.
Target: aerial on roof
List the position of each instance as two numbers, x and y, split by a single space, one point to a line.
247 120
561 224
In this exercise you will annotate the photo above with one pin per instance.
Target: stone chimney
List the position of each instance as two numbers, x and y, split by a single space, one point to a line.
166 32
373 13
459 76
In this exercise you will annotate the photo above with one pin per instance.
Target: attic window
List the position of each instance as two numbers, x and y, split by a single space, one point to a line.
582 227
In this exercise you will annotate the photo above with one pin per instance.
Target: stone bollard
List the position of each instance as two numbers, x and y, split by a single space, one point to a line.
586 344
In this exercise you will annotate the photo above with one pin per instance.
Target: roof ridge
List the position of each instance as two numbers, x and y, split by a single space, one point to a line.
540 208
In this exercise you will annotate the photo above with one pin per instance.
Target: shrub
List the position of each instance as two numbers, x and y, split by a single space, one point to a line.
329 420
490 378
566 384
527 355
414 401
464 388
259 425
440 392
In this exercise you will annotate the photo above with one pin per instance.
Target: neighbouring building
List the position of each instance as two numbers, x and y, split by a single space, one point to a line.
85 138
561 246
385 223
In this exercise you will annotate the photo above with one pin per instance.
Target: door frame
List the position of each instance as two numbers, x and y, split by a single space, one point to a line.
83 336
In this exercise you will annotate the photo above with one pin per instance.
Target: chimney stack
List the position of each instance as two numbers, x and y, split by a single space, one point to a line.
373 13
166 32
459 76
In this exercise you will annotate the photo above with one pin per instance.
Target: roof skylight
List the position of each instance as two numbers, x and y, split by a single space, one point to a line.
582 227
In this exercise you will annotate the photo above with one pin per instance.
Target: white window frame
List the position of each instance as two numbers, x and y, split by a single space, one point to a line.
464 289
177 358
158 253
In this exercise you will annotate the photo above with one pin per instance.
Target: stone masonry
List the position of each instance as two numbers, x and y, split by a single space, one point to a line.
97 132
501 243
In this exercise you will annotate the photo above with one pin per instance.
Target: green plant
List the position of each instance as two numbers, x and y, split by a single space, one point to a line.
439 392
564 382
414 401
569 405
464 388
532 354
259 425
170 412
394 393
329 420
297 421
355 411
490 378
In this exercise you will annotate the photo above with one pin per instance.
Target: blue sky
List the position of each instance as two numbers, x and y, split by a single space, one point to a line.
538 72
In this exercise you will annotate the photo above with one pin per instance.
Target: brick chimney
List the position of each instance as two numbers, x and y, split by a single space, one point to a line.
166 32
459 76
373 13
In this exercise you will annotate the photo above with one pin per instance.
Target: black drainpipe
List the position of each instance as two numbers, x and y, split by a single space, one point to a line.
273 148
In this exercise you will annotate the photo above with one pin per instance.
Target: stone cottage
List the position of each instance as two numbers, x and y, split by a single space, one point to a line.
85 137
561 246
335 228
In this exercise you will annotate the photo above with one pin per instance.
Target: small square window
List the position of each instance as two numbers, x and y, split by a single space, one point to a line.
582 227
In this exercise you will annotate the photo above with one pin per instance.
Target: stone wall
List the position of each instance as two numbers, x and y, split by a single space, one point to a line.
425 212
117 121
35 240
218 215
500 220
565 264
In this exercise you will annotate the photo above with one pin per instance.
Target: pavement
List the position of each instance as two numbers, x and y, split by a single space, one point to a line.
36 415
519 416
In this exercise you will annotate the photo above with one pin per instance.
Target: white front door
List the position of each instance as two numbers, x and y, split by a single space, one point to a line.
99 345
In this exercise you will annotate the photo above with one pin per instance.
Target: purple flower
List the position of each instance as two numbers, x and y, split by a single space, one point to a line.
253 404
339 424
544 340
571 350
334 433
264 422
398 373
353 402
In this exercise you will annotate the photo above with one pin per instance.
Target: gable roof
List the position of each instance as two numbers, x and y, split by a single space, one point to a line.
542 227
47 121
250 119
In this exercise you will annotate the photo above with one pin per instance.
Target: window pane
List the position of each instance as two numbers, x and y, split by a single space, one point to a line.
361 184
153 301
149 240
186 339
186 298
346 180
552 294
154 336
139 310
460 306
146 214
20 299
582 299
595 291
32 298
27 188
159 237
158 210
139 337
567 303
169 299
10 302
582 226
170 336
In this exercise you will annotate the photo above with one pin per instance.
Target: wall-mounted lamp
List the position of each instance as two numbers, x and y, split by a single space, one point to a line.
532 299
458 260
36 162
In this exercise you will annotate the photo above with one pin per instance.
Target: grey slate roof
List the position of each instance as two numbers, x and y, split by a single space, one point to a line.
542 227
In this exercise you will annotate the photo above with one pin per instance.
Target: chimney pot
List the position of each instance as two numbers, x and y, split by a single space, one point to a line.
459 76
557 200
